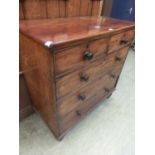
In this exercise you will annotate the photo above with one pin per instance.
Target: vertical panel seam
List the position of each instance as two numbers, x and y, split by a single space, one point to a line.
22 9
46 9
92 8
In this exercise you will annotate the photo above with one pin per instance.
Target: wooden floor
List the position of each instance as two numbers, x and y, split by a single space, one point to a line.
108 130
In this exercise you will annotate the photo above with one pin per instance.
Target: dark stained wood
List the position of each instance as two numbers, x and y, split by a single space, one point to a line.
54 56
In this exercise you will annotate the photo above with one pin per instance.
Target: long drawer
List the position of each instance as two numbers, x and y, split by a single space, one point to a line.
103 83
80 55
76 106
81 78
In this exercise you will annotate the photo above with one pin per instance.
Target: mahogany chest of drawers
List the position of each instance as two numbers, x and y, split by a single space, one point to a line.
72 64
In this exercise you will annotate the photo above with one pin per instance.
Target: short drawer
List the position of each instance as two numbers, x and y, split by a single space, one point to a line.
80 78
81 55
120 40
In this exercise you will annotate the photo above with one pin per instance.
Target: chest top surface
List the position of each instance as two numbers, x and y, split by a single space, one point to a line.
63 30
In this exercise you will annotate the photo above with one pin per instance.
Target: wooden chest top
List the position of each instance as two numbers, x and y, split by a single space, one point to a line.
62 31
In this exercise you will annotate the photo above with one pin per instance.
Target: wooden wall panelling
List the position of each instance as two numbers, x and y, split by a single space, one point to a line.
52 8
34 9
97 7
21 14
62 8
107 8
86 6
73 8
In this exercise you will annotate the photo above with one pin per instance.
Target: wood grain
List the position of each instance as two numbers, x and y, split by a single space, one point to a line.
21 14
115 41
85 9
62 8
73 8
53 72
72 82
34 9
36 61
97 7
25 105
53 9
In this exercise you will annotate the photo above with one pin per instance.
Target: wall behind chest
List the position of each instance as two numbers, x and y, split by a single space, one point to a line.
42 9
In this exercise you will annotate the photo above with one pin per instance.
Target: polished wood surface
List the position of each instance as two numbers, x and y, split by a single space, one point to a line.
44 9
70 65
86 75
60 31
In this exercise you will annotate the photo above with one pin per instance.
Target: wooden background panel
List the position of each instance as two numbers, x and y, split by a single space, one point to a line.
73 8
52 8
34 9
42 9
97 7
62 8
21 14
86 7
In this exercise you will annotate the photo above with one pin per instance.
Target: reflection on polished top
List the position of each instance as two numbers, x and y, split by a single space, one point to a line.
62 30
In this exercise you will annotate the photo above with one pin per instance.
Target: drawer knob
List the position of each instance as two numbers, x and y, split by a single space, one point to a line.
112 75
79 113
123 42
84 77
106 90
88 55
118 59
82 97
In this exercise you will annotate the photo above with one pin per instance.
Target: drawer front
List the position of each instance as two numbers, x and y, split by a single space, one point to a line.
81 78
81 55
80 108
104 84
120 40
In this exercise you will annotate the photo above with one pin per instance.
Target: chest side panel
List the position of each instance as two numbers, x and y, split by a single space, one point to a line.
37 65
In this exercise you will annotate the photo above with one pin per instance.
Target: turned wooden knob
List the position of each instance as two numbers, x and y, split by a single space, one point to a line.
118 59
88 55
79 113
82 97
84 77
112 75
123 42
106 90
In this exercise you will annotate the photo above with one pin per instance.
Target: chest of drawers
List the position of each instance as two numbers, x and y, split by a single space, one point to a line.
72 64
